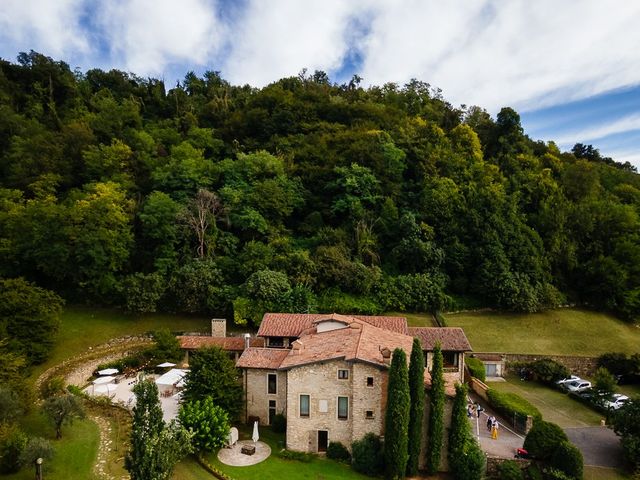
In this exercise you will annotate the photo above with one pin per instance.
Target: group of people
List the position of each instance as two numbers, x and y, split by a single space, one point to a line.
475 409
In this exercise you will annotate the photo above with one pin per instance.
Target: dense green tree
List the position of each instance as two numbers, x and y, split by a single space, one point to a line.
208 423
435 425
543 439
10 405
626 424
28 318
13 442
396 421
213 374
155 447
416 393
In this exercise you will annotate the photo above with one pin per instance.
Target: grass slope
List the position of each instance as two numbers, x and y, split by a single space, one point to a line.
561 332
74 454
84 327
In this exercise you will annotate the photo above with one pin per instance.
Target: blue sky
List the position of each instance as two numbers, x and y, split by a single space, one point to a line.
570 67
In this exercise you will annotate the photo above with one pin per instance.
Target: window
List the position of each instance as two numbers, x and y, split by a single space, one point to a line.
272 411
369 414
304 405
272 384
450 359
369 381
343 374
343 408
277 342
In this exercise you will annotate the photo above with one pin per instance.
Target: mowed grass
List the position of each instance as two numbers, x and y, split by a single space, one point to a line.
415 319
84 327
75 452
566 331
555 406
276 468
601 473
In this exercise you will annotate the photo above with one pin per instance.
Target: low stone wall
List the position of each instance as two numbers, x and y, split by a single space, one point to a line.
578 365
494 462
585 366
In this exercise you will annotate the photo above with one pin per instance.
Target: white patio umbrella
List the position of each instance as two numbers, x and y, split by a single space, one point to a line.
105 389
108 371
255 436
166 365
103 380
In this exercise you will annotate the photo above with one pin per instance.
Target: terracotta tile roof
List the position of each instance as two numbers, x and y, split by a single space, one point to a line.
234 344
268 358
360 341
294 324
450 338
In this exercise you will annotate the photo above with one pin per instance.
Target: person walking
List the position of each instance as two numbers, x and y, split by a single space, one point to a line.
479 409
490 421
494 430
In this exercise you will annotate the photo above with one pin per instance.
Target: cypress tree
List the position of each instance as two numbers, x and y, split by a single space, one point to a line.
436 413
397 418
155 447
416 392
466 460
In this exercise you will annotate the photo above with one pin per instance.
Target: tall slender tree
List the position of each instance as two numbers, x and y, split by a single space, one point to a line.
416 392
466 460
397 417
436 413
155 447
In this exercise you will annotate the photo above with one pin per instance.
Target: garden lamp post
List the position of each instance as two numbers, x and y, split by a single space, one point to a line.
39 469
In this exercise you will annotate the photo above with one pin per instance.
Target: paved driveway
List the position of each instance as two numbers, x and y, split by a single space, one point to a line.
599 445
508 440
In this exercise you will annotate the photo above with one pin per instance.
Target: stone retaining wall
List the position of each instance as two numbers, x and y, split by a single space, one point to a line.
578 365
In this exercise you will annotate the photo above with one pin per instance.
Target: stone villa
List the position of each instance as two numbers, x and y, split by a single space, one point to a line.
327 373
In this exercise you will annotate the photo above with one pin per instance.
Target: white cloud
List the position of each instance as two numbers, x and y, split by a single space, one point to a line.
50 27
590 133
278 38
145 36
495 53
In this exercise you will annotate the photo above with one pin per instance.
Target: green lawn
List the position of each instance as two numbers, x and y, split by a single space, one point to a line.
601 473
276 468
84 327
561 332
75 452
555 406
415 319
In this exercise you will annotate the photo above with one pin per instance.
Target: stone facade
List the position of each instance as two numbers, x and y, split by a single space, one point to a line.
257 396
320 381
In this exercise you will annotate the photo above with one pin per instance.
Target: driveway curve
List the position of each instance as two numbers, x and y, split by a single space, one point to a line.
600 446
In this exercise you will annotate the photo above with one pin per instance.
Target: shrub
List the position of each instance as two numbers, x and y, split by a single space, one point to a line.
567 458
279 423
13 442
510 470
543 439
367 455
297 456
548 371
52 387
554 474
510 404
476 367
604 383
337 451
37 447
208 423
617 363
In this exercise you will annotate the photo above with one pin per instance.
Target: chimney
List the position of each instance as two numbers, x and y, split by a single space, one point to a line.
247 340
297 346
218 327
386 355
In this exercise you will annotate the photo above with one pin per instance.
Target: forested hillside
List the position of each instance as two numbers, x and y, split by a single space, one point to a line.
303 195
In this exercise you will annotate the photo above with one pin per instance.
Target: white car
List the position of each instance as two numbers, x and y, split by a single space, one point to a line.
571 378
616 401
578 386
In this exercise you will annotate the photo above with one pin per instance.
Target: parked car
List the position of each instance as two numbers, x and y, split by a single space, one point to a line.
569 379
578 386
616 401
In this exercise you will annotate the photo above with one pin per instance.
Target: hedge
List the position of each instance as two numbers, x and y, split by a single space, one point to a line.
509 404
476 367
